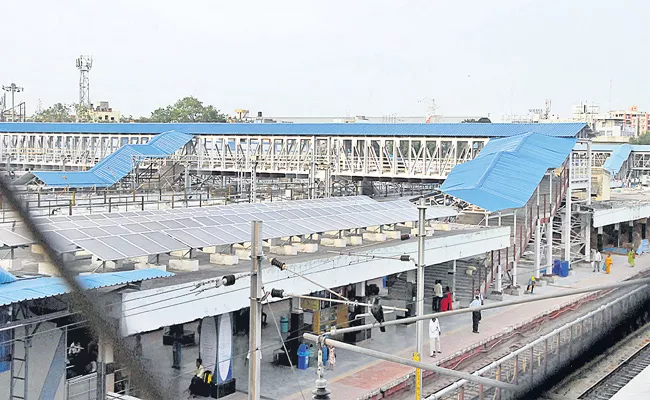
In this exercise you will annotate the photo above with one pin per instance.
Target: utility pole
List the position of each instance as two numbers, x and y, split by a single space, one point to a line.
420 297
13 89
253 194
255 337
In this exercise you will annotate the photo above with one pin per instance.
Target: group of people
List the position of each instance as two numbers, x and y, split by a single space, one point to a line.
442 300
607 267
434 323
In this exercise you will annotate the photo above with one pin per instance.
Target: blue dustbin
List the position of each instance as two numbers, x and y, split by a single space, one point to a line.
284 324
556 267
303 356
564 269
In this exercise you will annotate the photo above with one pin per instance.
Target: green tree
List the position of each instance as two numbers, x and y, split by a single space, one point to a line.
641 139
482 120
59 112
188 109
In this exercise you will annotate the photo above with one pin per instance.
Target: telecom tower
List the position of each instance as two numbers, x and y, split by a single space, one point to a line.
84 64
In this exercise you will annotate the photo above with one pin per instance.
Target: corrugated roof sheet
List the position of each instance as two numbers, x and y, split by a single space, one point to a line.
616 160
6 277
329 129
116 166
507 171
38 288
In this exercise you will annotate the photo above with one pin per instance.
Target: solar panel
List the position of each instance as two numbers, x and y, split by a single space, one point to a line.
115 230
150 246
125 247
100 249
137 228
94 232
10 238
187 238
72 234
165 241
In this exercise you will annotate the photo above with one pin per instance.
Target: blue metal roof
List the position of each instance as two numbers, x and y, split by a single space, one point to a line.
507 171
329 129
116 166
616 160
38 288
6 277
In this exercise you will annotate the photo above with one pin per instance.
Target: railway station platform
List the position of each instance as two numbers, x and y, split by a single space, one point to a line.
373 379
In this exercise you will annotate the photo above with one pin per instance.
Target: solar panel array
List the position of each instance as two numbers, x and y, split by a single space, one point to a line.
117 236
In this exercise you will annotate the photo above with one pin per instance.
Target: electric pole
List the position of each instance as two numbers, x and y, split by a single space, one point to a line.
13 89
420 297
255 338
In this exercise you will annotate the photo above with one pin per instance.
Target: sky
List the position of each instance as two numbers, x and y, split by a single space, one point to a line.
334 57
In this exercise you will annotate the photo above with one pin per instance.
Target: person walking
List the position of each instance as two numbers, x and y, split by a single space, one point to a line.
434 337
478 293
331 357
631 255
608 263
437 291
598 258
476 315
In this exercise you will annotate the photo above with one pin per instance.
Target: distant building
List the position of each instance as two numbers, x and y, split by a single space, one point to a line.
632 119
104 113
585 112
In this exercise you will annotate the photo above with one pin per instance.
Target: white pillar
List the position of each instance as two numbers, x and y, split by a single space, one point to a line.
538 242
514 256
498 282
549 244
567 225
586 223
589 172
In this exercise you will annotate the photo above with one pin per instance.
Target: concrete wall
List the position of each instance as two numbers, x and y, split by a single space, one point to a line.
46 369
178 304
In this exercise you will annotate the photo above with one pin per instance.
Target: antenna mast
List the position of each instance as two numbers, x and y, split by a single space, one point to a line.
84 64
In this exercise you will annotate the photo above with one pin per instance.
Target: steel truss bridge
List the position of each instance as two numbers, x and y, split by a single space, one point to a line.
354 157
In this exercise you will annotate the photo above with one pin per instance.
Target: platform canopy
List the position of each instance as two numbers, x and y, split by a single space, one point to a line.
117 236
19 290
507 171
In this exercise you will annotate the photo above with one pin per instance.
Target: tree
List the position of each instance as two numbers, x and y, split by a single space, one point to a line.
59 112
641 139
482 120
188 109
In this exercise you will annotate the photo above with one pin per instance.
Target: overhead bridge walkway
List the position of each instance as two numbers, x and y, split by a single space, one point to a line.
117 165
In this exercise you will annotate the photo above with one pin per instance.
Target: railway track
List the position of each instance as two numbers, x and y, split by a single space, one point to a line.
607 387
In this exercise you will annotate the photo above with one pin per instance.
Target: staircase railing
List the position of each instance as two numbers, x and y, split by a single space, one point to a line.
522 232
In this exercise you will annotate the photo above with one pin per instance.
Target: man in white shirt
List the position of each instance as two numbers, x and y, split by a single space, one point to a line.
598 258
476 315
434 337
437 293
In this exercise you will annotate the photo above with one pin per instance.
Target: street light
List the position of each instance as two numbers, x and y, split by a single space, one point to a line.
13 88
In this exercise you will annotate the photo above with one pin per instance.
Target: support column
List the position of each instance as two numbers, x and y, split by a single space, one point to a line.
255 335
514 252
420 287
586 223
453 281
549 244
630 233
589 172
599 244
617 233
498 281
567 224
538 250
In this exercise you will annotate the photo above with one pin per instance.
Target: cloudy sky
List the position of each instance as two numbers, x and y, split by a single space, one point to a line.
322 58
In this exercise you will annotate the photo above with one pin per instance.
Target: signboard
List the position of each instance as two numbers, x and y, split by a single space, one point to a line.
224 350
208 342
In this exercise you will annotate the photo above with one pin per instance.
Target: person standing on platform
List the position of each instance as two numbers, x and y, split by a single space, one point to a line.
631 255
531 285
437 291
598 258
434 337
477 292
476 315
608 263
